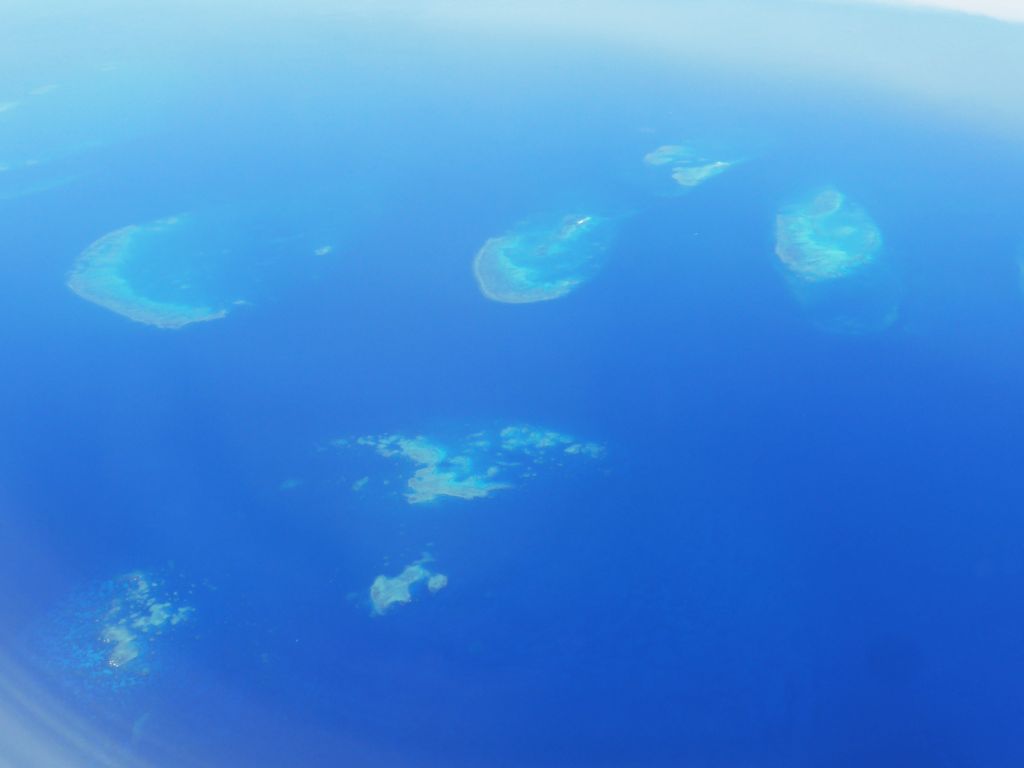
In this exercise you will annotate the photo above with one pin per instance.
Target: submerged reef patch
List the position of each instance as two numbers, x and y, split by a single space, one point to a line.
826 237
533 441
476 466
107 635
387 591
542 262
438 472
109 271
688 167
832 254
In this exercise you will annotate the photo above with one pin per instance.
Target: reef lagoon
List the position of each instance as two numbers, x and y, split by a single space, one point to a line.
511 385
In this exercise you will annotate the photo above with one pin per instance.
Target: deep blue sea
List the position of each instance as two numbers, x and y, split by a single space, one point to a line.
799 546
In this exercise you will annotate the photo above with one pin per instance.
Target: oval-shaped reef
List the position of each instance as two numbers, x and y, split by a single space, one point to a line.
125 270
832 254
542 262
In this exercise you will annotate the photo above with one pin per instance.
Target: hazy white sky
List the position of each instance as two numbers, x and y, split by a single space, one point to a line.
1008 10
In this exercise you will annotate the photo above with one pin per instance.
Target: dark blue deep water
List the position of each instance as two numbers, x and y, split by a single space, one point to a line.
800 547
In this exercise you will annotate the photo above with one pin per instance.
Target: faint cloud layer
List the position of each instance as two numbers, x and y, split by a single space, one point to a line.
940 59
948 60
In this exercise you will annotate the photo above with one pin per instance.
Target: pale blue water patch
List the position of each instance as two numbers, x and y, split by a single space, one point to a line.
25 180
59 114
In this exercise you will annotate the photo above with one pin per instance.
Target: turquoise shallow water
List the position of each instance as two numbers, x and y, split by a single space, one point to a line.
710 506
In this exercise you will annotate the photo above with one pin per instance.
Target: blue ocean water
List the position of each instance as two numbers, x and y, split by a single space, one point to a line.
799 547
